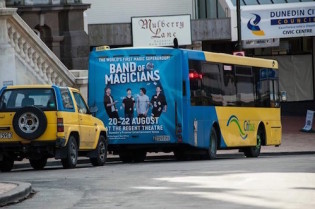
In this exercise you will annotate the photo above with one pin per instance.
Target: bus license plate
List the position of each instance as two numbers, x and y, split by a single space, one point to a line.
163 138
5 135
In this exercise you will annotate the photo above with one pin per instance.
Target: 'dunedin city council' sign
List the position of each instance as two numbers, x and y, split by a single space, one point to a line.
161 30
287 20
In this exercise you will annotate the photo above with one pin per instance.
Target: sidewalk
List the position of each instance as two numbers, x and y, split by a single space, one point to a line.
293 142
13 192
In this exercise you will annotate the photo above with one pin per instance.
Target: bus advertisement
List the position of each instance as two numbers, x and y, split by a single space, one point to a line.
184 101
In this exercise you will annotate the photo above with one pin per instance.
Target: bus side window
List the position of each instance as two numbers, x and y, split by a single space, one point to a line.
228 86
245 86
274 93
211 84
267 88
195 82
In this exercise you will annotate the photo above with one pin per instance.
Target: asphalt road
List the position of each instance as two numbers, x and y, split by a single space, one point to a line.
231 182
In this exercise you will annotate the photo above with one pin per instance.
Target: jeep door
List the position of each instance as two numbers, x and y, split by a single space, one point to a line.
87 123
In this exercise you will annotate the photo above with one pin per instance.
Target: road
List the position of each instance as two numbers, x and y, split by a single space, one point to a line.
286 181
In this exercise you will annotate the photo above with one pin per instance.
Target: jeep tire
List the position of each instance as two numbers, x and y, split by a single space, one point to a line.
6 164
29 122
72 154
101 153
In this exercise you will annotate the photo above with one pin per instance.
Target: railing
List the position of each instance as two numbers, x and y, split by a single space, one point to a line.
40 61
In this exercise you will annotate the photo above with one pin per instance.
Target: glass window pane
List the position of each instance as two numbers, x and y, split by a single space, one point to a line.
292 1
279 1
66 99
251 2
234 2
82 108
265 2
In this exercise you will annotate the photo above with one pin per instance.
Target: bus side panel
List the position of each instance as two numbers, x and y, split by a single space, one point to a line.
239 125
135 69
201 120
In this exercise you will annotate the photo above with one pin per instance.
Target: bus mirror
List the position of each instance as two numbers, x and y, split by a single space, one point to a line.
283 96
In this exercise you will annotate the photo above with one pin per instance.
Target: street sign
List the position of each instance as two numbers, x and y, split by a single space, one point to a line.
261 43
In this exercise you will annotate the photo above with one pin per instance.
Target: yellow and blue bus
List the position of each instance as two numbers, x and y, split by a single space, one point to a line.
184 101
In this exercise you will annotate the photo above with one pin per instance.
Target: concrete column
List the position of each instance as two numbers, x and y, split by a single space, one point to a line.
7 53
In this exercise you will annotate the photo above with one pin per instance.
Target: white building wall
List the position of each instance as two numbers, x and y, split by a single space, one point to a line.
121 11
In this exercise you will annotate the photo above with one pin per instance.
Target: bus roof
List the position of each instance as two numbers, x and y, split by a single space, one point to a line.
240 60
212 57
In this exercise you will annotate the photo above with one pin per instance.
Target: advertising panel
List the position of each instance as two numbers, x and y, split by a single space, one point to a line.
135 94
287 20
161 30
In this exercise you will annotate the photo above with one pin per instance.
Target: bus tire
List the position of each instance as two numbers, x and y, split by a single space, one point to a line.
255 151
72 154
180 155
139 156
212 150
125 156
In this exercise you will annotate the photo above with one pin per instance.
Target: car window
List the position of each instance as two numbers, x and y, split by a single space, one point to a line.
82 107
18 98
66 98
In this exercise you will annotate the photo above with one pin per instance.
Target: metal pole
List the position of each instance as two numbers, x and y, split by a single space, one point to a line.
239 31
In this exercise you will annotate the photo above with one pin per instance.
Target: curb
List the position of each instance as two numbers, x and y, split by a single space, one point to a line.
116 159
22 191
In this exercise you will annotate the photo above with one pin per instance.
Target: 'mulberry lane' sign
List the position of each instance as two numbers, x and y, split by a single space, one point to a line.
161 30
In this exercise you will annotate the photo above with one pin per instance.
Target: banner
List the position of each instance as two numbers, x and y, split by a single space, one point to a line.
287 20
135 94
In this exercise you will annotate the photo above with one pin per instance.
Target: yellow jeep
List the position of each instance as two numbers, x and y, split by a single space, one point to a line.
47 121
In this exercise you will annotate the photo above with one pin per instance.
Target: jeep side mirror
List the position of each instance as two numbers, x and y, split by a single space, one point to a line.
283 96
93 109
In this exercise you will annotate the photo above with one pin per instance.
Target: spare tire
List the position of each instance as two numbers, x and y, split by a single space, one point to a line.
29 122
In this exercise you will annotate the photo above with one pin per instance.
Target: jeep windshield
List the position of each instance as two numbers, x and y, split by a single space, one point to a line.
17 98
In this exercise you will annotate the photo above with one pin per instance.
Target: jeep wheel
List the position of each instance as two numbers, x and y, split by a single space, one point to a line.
101 150
6 164
72 154
29 122
38 164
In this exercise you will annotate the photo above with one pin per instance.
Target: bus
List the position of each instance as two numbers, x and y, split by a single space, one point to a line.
184 101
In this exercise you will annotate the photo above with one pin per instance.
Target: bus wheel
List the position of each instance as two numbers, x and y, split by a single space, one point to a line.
125 157
212 150
254 151
139 156
180 155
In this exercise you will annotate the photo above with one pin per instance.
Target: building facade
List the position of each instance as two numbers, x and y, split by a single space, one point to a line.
59 23
213 28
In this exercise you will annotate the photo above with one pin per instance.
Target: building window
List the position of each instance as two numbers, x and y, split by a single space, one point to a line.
210 9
